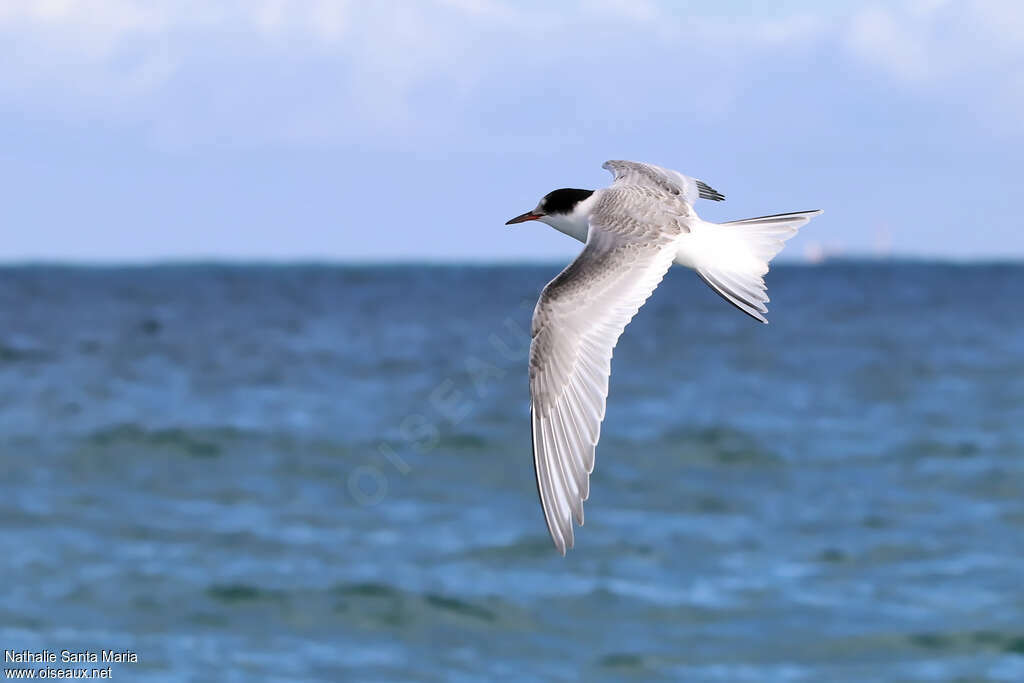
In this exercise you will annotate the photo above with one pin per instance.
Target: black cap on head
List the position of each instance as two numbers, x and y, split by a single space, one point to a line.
563 201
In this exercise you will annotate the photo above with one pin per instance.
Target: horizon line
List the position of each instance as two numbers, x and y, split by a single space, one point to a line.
231 261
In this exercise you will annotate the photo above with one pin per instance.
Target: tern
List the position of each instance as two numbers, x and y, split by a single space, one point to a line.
633 231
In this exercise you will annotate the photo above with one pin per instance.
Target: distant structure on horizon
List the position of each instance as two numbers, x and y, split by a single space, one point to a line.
882 241
881 248
814 253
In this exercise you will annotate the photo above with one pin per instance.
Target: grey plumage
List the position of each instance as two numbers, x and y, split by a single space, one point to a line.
576 324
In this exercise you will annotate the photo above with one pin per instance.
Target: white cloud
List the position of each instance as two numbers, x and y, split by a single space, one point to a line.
927 41
293 68
885 41
404 33
130 59
972 51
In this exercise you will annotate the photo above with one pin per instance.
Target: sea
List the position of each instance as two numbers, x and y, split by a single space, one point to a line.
323 473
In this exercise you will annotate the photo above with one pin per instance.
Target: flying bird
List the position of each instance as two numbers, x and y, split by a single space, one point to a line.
633 232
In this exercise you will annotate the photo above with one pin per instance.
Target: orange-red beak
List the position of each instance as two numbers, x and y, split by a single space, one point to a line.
522 218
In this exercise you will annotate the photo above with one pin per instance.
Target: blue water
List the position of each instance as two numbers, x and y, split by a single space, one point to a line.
324 473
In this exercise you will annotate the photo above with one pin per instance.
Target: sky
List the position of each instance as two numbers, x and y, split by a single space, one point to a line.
279 130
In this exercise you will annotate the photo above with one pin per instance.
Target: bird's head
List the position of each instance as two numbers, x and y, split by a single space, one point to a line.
565 210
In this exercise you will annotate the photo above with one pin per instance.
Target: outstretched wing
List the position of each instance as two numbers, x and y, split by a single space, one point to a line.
577 322
663 179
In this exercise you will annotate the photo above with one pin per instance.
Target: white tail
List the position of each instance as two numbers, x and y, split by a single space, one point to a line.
733 257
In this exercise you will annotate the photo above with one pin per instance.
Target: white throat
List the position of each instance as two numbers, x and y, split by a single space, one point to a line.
577 223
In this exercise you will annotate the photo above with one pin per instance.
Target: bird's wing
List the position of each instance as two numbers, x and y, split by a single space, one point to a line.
663 179
577 322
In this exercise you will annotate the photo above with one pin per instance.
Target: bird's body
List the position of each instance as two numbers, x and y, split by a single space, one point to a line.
633 231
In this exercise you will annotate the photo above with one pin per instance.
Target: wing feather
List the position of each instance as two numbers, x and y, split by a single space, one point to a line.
662 179
578 320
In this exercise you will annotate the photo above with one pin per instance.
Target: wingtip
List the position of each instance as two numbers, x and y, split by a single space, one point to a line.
705 191
564 544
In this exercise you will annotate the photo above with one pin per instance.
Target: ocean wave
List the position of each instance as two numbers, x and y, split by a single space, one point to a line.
198 443
373 600
19 353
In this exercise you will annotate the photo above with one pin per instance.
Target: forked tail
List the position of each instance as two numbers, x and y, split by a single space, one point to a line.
733 257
